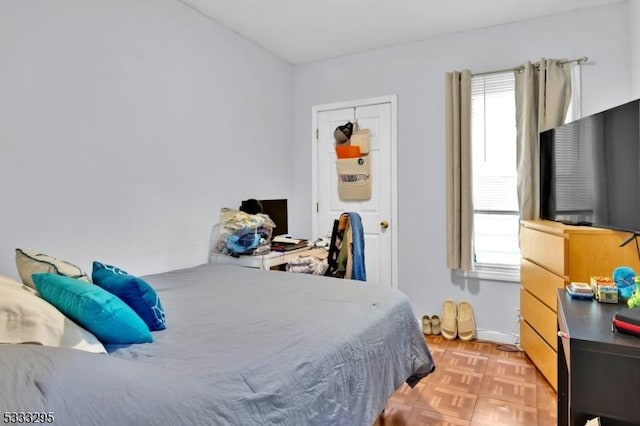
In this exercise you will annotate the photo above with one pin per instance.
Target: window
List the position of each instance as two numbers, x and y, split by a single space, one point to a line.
493 139
495 200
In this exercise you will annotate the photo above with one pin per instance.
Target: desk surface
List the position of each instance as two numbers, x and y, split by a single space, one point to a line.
588 320
598 369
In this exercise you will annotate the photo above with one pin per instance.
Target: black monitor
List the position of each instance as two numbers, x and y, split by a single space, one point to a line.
277 211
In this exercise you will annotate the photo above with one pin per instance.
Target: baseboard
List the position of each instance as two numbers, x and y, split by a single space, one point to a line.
497 337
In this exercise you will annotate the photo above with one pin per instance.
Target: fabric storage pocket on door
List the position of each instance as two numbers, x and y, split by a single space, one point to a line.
354 179
360 138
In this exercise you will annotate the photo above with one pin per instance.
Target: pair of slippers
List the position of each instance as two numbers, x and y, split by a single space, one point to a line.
430 325
457 321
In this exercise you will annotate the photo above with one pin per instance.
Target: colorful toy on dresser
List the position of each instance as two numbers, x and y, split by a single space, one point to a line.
580 291
623 287
604 289
634 300
624 277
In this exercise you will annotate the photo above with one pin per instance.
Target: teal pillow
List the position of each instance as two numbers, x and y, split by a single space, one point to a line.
133 291
93 308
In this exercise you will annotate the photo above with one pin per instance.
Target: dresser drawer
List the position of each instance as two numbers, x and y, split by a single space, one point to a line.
540 353
544 249
540 317
541 283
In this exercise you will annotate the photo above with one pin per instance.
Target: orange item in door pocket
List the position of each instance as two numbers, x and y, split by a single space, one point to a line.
347 151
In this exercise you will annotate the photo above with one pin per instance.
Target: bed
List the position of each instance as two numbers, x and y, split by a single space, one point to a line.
241 347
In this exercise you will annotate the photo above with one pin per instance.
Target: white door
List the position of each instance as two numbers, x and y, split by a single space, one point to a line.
377 213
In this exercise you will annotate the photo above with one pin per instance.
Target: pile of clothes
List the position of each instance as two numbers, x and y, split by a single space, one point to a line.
241 233
308 265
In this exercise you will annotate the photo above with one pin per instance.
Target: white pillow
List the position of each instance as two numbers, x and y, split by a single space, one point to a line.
31 262
26 318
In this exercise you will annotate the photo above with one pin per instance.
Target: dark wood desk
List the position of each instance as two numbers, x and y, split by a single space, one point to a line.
598 370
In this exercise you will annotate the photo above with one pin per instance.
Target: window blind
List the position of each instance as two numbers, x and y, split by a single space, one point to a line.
494 142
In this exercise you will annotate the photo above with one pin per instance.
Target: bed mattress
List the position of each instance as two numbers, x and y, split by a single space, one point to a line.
242 347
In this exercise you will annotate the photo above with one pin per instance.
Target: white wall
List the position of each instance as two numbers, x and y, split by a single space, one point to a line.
415 72
634 37
125 125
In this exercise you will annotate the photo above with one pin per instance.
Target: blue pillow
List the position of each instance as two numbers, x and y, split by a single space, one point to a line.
134 291
95 309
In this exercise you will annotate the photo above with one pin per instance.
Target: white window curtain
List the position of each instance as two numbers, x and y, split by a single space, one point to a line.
458 178
543 94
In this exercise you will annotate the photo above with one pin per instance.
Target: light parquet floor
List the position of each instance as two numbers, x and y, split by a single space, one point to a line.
475 384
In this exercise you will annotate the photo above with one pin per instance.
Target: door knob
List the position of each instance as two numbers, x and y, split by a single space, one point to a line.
384 224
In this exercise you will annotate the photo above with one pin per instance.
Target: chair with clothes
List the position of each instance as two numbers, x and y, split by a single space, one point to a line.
346 250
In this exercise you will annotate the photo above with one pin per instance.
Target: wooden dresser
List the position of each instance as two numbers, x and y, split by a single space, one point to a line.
553 255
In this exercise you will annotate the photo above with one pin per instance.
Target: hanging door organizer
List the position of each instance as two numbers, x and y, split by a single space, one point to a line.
353 167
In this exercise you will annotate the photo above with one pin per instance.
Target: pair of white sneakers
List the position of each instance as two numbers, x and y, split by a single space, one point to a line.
430 325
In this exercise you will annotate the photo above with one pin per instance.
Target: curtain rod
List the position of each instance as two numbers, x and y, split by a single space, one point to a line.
521 67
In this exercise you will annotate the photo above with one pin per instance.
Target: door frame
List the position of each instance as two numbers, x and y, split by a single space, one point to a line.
315 110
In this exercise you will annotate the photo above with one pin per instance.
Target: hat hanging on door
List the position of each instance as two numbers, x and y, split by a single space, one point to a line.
342 134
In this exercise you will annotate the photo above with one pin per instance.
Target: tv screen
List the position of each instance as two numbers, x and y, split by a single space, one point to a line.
590 170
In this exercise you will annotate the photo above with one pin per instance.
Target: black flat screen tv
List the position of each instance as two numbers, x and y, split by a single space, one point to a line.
590 170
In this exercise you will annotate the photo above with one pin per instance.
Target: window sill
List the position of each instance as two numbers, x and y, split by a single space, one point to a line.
493 274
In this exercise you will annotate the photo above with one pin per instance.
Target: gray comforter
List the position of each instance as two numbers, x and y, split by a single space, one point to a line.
242 347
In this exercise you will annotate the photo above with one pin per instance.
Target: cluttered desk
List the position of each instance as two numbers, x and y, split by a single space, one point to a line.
245 237
270 260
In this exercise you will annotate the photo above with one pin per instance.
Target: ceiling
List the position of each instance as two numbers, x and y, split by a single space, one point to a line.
302 31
